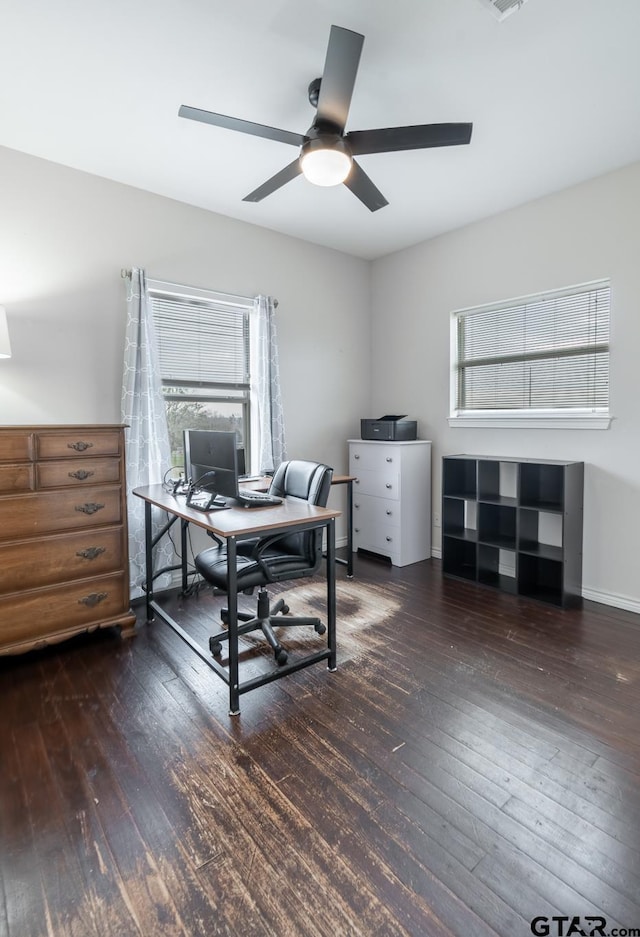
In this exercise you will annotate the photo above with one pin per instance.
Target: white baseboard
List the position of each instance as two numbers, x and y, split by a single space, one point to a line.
625 602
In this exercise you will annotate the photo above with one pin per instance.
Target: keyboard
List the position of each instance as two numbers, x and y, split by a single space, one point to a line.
255 499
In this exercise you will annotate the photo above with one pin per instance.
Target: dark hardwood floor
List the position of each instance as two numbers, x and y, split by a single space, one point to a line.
473 764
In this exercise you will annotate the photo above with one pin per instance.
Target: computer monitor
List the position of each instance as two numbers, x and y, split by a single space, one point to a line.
211 460
242 464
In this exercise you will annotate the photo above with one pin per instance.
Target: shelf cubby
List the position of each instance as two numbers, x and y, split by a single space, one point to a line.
542 486
497 525
460 478
538 535
459 556
540 578
514 525
457 520
491 568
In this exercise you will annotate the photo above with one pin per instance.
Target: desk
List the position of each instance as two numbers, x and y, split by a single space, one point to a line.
262 484
234 524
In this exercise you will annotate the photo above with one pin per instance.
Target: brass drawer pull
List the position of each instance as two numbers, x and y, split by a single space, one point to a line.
79 446
89 508
91 553
81 474
93 599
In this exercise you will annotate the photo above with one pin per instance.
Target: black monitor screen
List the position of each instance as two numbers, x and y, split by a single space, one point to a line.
211 460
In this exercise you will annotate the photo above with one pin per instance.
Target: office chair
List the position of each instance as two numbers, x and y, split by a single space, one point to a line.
273 558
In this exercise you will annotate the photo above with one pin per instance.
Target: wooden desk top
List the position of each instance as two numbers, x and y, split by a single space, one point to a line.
263 483
237 521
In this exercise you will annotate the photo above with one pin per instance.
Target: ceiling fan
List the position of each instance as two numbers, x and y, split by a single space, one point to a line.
326 151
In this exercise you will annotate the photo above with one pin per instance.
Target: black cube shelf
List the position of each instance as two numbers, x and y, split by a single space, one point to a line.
515 525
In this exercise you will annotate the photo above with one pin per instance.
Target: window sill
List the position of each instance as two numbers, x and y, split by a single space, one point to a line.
531 421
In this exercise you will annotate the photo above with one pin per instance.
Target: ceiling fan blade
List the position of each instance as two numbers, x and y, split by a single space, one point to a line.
339 76
364 189
243 126
392 139
275 182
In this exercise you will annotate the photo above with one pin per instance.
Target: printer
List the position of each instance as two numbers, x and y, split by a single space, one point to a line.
389 427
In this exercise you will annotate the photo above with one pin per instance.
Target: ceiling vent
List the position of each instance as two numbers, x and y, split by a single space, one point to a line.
502 8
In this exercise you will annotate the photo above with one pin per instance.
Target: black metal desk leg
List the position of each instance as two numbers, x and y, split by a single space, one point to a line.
350 529
232 599
148 558
331 593
184 526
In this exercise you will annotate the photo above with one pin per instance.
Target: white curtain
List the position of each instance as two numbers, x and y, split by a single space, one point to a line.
268 423
148 454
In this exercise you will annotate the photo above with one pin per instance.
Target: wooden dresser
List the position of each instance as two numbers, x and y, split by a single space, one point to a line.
64 563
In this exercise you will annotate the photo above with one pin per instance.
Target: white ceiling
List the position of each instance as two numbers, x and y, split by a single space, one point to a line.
553 92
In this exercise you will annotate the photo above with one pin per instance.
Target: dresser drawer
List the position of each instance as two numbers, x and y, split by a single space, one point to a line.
16 447
375 513
28 564
382 484
14 478
74 474
73 445
387 542
42 615
374 457
47 512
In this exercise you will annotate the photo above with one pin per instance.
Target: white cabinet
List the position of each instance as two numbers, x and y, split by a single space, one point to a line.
392 498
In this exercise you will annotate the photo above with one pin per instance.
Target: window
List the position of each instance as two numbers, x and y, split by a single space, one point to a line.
204 349
539 360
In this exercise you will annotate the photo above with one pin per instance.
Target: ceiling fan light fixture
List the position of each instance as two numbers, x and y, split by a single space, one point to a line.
325 162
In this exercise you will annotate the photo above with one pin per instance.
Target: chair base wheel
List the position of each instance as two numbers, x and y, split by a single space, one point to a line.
320 628
281 656
215 647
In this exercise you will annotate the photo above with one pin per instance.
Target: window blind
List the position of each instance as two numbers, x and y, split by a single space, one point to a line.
201 342
545 352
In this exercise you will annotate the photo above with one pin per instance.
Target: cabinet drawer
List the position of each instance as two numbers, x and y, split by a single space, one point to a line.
14 478
28 564
47 512
373 458
80 444
382 484
379 541
78 473
16 447
45 613
376 525
375 513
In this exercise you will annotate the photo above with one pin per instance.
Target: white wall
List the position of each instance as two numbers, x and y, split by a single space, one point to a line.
64 237
580 234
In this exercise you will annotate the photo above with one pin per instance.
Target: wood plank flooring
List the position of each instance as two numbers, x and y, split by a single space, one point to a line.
473 764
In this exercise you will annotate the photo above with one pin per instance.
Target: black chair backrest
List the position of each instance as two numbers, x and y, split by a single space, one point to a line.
309 481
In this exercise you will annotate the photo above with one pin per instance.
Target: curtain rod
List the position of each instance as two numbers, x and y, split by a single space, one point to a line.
126 275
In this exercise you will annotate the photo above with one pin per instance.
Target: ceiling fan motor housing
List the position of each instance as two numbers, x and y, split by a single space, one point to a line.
314 91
